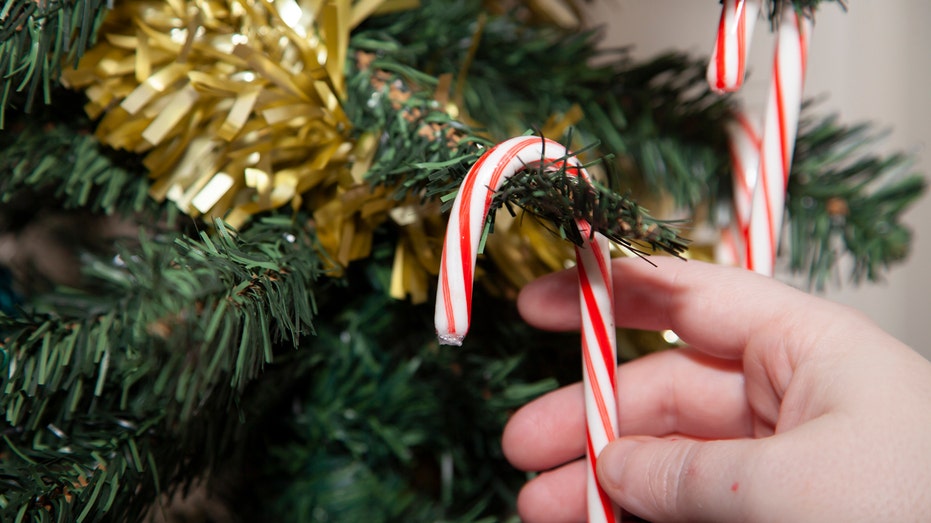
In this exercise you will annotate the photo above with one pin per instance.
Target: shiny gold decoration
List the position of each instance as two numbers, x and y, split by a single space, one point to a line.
236 104
417 255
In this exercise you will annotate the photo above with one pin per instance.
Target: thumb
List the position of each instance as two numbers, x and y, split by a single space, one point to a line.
679 479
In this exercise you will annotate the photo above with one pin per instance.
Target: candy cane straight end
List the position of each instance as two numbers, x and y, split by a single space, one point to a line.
727 67
450 339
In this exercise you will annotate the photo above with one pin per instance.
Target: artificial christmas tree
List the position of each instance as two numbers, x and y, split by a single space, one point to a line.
245 203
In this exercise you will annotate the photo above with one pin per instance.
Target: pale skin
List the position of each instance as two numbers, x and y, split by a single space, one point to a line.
783 407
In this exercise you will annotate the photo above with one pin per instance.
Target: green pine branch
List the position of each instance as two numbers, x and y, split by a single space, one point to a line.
36 39
385 411
844 199
658 117
422 150
550 192
390 426
662 122
50 161
175 331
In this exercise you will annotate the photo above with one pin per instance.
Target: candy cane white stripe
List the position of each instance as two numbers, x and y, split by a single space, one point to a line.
453 304
727 66
779 131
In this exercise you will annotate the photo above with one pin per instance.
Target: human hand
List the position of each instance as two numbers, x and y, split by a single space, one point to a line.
784 407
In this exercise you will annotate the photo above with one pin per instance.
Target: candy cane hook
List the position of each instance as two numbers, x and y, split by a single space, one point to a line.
454 290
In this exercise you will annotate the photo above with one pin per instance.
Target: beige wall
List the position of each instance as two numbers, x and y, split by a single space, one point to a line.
873 63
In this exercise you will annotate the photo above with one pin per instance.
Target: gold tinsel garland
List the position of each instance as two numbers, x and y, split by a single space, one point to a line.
236 105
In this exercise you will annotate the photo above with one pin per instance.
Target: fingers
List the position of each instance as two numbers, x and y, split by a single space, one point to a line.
663 480
656 479
677 391
547 432
554 496
714 308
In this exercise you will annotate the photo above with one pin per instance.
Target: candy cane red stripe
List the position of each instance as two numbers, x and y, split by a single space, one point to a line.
781 114
721 56
802 44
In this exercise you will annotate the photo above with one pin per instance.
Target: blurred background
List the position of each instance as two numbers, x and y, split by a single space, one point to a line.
870 63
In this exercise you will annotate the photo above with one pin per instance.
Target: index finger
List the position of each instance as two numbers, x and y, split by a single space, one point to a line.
718 310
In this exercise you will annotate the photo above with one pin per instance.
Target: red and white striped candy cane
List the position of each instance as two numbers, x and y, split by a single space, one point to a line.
780 127
454 289
728 64
744 141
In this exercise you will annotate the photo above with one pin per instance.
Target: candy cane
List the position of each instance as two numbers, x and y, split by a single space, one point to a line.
727 67
454 289
744 144
780 127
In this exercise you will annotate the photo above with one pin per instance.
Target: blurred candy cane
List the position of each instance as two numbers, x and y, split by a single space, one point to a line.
727 67
454 289
744 144
780 127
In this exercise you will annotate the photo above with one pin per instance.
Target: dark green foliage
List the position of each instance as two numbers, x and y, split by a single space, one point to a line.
121 386
559 198
412 427
36 39
50 161
421 160
654 116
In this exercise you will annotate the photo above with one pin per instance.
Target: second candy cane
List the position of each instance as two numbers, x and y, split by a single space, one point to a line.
780 127
728 63
454 289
